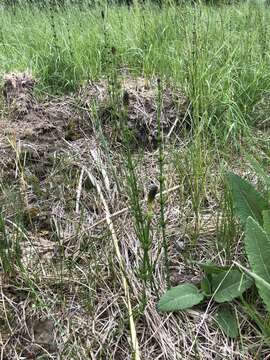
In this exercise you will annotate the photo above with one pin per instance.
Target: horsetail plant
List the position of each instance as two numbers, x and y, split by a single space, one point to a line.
161 181
142 219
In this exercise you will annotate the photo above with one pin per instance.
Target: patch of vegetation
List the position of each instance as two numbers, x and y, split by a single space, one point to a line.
113 180
224 285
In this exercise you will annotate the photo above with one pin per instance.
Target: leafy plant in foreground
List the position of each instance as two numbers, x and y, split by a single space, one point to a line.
254 212
222 284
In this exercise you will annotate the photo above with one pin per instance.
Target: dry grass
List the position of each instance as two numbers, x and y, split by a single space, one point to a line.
66 298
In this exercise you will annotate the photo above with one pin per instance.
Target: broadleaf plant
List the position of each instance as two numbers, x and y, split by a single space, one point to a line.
253 209
180 297
224 284
261 173
220 284
247 200
226 320
227 286
257 243
266 221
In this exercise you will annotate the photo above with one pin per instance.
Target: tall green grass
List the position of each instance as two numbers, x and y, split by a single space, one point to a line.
218 55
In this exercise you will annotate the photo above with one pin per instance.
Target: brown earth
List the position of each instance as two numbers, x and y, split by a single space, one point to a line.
35 129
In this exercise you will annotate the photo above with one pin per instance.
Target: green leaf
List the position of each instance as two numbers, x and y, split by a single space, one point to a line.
211 268
229 285
257 244
266 221
227 322
180 297
255 277
206 285
247 200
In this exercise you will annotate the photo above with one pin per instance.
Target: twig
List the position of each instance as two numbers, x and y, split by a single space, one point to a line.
79 191
187 113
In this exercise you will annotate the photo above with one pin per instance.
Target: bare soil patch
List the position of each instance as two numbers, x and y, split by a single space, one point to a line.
37 129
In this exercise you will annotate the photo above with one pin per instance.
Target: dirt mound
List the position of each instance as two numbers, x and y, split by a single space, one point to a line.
18 92
138 99
34 130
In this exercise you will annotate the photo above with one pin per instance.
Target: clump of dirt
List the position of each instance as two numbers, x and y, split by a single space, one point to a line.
18 92
32 130
138 100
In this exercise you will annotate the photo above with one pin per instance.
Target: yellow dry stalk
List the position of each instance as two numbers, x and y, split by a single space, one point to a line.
17 149
133 333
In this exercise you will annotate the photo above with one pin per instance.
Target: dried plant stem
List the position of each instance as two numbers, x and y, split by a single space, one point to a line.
79 191
133 333
20 168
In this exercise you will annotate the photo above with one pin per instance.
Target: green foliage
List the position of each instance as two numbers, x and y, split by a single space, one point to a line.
226 320
197 47
211 268
10 251
180 297
58 71
5 246
247 200
206 285
224 285
223 80
229 285
254 211
227 225
266 221
219 284
257 243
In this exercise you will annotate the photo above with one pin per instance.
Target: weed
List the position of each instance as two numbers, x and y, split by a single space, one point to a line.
162 182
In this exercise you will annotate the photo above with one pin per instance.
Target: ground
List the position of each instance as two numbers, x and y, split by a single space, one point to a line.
71 284
65 294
